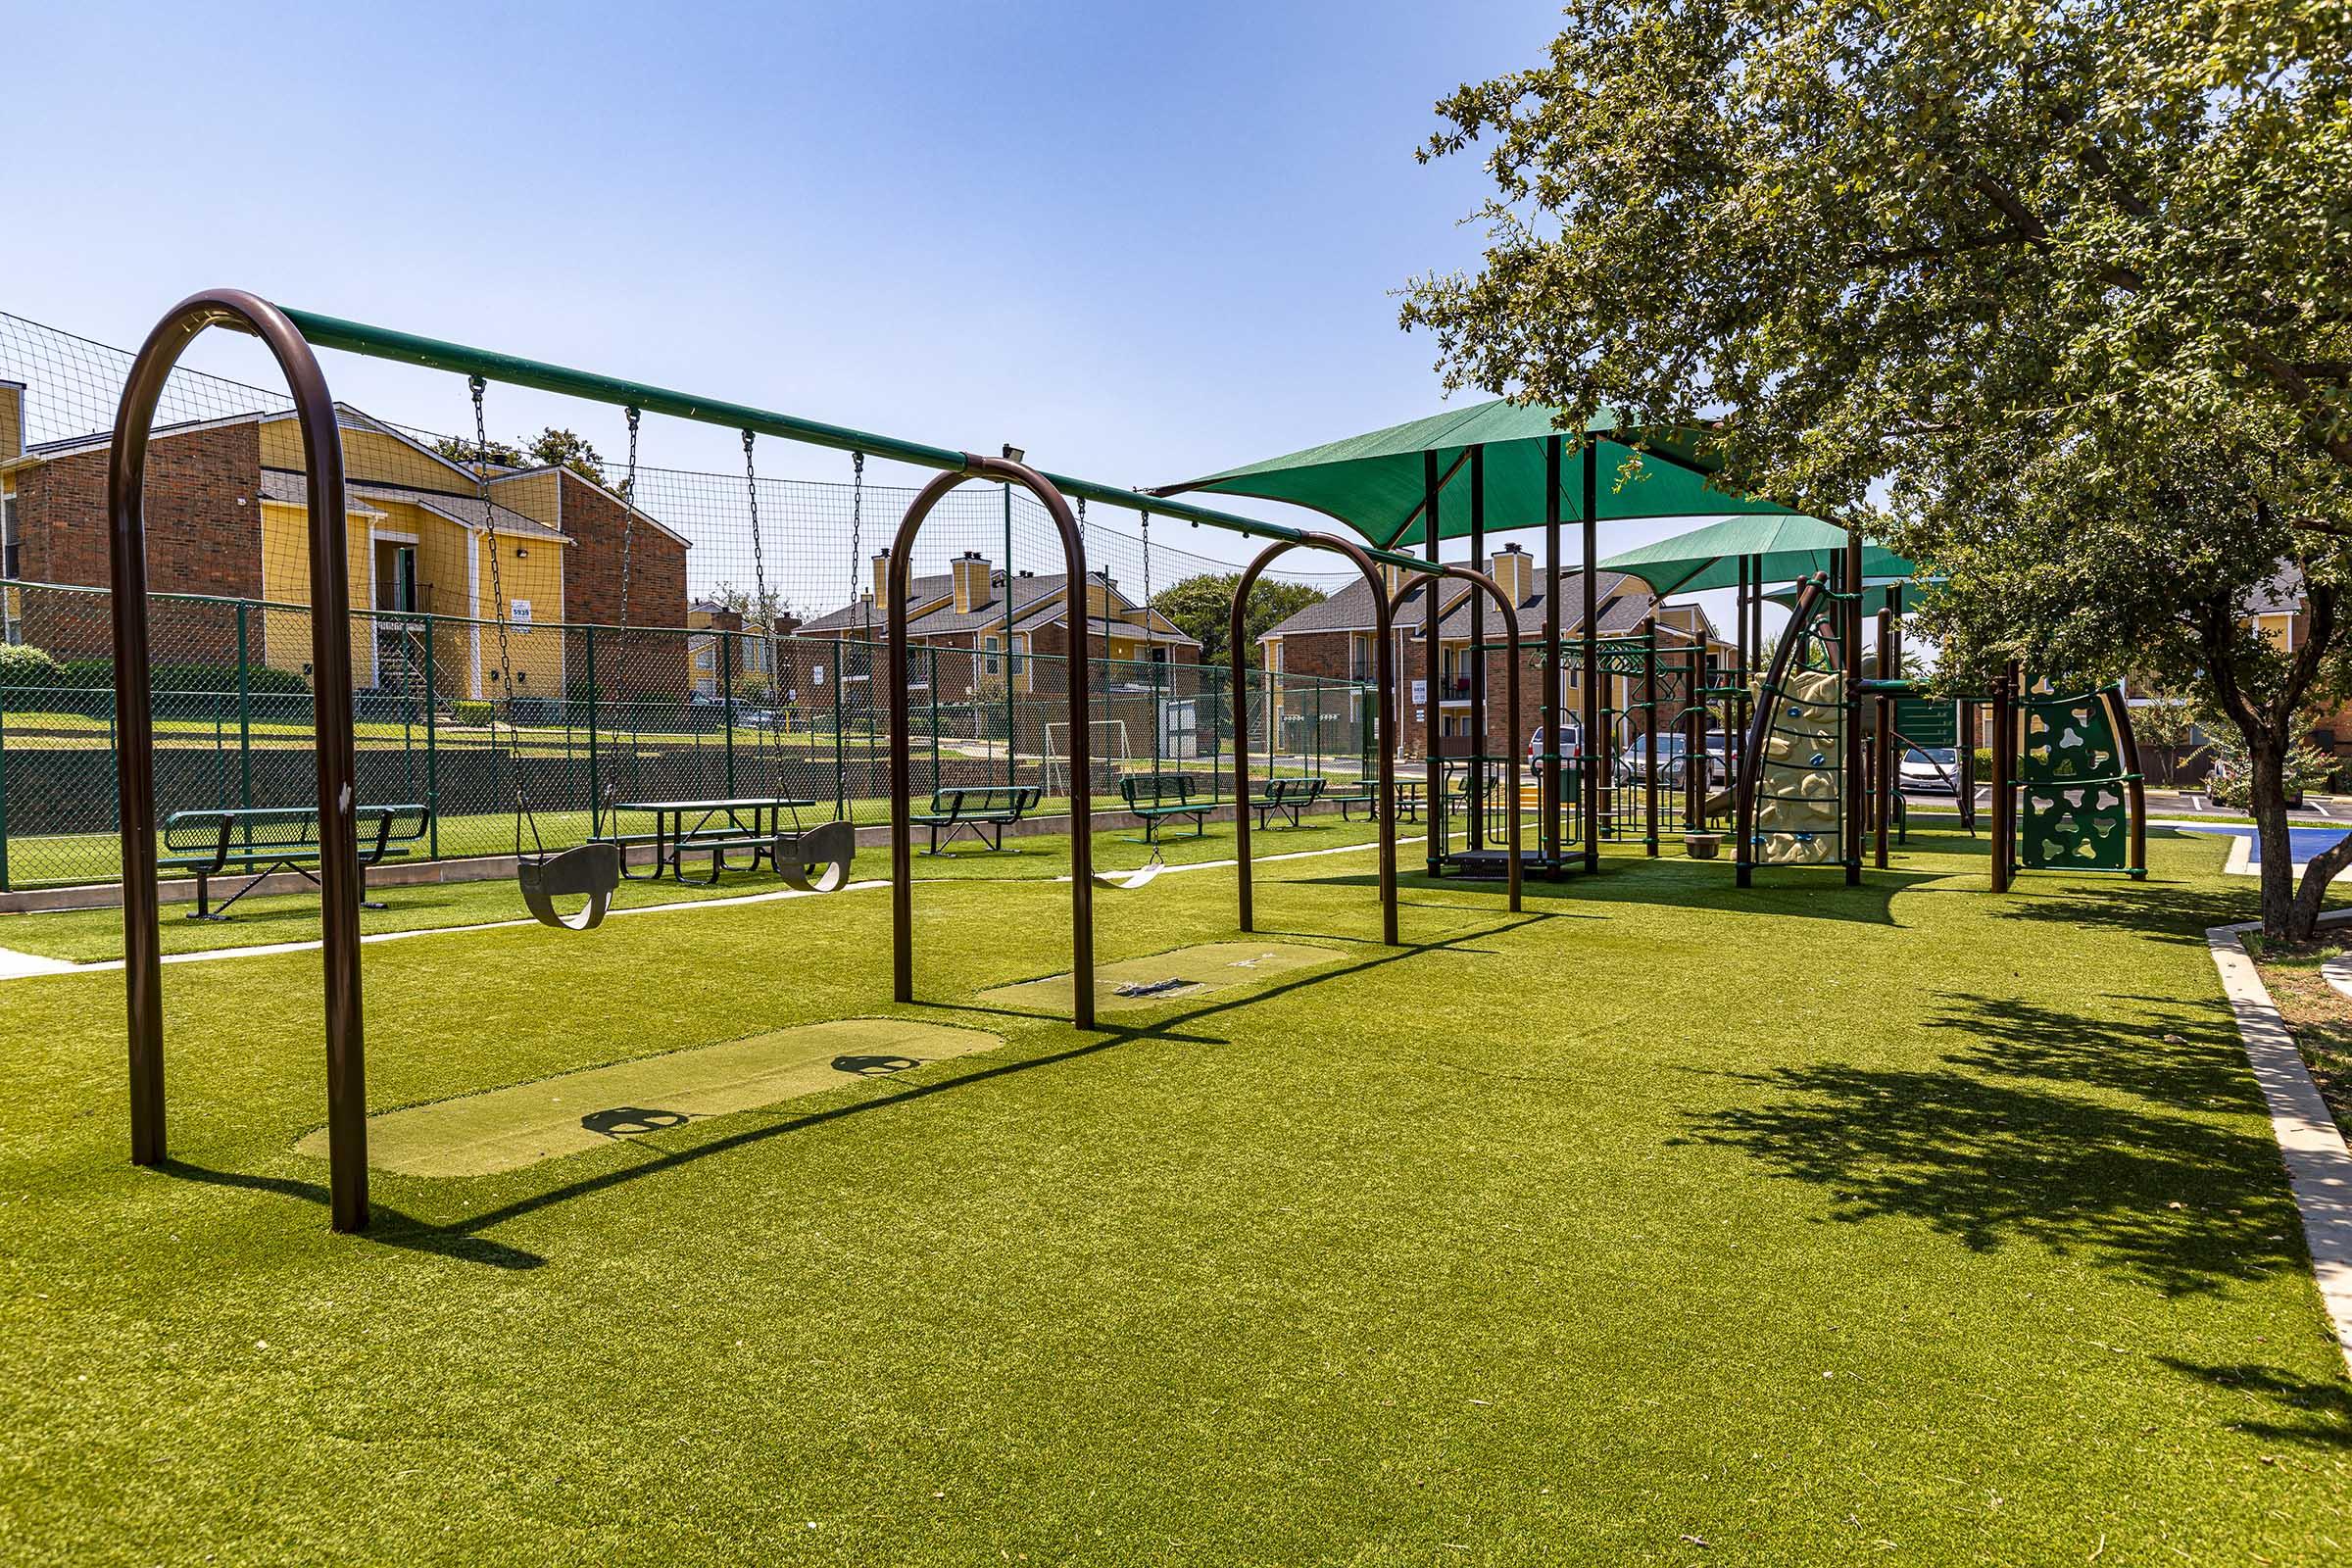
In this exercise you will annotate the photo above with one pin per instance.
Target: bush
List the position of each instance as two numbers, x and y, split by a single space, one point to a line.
1984 763
23 665
98 674
471 713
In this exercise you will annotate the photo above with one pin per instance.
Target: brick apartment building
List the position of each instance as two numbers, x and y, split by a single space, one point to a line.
1334 638
957 624
227 515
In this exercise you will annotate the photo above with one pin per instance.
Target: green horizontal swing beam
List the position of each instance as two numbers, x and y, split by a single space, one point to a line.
406 348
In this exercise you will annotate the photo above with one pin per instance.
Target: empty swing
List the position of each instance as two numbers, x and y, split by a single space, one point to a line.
818 860
589 871
1145 875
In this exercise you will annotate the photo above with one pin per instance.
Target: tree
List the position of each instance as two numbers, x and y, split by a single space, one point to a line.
1202 606
552 448
1964 270
757 614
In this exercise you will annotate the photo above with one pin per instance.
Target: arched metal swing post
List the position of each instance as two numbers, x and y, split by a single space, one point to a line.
1383 676
1081 759
1483 583
339 874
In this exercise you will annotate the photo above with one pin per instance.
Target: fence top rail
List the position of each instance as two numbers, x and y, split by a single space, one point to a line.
385 343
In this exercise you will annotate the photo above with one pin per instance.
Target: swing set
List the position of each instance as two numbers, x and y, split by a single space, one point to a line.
588 872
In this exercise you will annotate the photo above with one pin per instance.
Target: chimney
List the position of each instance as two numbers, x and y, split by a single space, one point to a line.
882 577
971 575
1515 571
11 420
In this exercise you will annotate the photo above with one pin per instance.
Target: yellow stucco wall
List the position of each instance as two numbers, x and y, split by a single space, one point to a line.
537 496
534 577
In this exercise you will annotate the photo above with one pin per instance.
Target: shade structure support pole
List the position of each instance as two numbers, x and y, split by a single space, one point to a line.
1432 708
1883 798
1081 759
1649 735
1383 674
339 874
1547 831
1589 773
2004 773
1474 797
1851 622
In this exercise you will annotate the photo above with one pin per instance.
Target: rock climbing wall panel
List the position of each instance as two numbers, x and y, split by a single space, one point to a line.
1800 795
2074 814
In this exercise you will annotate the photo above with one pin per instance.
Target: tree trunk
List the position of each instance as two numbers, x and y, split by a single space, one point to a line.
2304 919
2266 800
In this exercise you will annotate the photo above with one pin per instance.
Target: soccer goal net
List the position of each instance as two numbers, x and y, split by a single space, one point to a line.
1105 743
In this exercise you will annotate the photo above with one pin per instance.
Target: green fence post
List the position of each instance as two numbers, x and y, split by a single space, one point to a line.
931 664
596 819
726 704
3 789
841 793
432 759
244 704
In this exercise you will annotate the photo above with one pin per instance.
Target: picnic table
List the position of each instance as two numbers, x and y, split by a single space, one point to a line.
748 824
1366 793
262 839
977 809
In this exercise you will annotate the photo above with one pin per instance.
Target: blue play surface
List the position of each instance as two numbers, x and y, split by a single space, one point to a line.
2302 842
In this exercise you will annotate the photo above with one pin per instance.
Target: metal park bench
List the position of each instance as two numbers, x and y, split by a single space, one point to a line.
1288 795
980 809
1156 798
263 839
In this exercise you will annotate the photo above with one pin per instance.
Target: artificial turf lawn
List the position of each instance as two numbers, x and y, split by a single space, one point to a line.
1659 1223
90 936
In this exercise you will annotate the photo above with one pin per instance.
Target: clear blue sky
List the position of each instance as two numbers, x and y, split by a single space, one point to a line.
1142 242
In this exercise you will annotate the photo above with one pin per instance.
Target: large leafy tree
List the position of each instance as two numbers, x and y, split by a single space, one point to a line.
1202 606
551 448
2057 291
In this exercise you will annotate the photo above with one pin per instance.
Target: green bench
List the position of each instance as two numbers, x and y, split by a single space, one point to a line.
1156 797
1288 795
977 809
263 839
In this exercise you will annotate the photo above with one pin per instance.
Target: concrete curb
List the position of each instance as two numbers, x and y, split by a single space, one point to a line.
2318 1165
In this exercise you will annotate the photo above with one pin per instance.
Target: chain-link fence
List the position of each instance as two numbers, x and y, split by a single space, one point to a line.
583 721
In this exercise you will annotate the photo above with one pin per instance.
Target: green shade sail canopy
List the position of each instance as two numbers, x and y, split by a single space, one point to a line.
1877 596
1375 484
1789 547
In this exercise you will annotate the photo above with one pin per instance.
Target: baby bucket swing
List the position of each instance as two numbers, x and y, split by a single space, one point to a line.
818 860
1145 875
588 871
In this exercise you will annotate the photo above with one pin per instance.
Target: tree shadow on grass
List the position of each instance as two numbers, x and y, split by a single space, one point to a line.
463 1240
1999 1144
1816 893
2315 1411
2163 911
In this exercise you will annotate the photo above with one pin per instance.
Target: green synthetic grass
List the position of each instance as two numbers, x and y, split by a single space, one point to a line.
1660 1223
64 859
89 936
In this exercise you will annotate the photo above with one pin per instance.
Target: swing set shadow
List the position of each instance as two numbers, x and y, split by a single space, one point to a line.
466 1241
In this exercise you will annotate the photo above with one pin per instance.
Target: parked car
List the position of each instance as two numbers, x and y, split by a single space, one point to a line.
1674 757
1929 771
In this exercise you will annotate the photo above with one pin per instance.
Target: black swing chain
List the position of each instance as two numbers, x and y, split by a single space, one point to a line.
628 520
498 605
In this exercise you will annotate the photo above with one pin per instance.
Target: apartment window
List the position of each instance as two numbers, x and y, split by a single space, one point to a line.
1015 660
9 546
989 662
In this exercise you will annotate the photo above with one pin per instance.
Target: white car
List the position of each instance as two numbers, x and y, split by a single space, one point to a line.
1930 771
